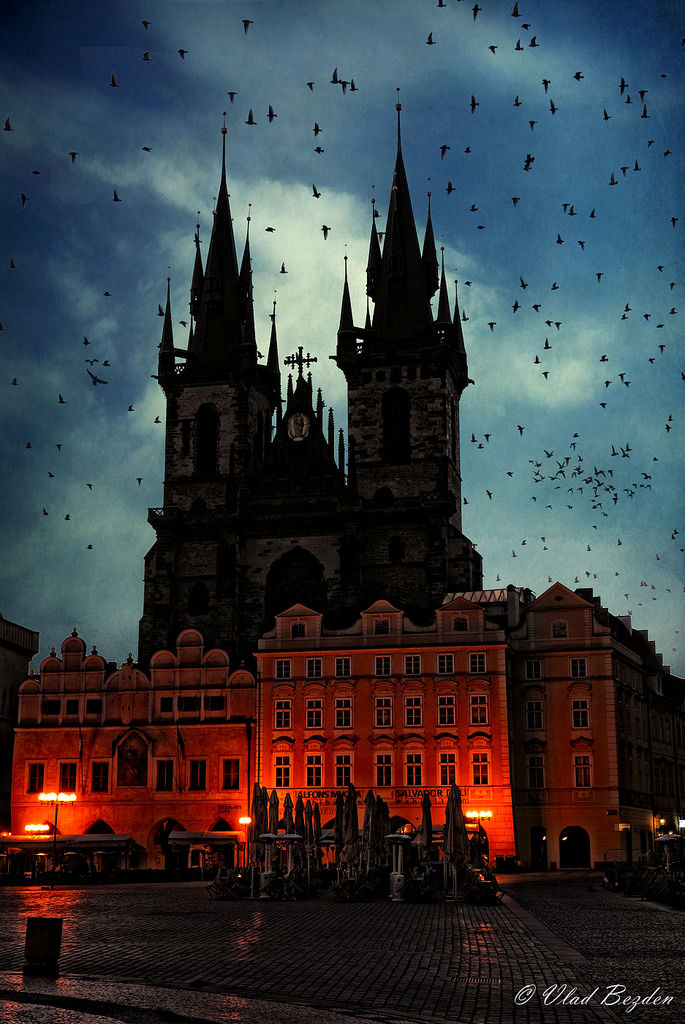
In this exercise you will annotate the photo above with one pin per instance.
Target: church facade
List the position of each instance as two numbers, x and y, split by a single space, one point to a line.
314 616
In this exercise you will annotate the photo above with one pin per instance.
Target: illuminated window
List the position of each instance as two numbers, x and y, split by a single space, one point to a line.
479 708
283 668
343 712
448 769
477 662
314 713
581 770
67 777
36 778
231 773
99 781
446 709
480 768
534 714
314 771
384 769
198 775
283 714
282 771
580 710
343 770
164 782
445 663
414 769
383 710
413 711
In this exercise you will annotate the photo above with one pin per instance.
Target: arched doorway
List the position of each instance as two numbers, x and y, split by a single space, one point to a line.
296 577
538 848
574 848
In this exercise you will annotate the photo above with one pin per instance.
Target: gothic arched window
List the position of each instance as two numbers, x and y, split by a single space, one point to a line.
206 439
396 444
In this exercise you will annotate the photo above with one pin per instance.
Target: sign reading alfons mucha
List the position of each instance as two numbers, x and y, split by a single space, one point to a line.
298 426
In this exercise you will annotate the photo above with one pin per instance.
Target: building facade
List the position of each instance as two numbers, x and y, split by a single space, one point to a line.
18 645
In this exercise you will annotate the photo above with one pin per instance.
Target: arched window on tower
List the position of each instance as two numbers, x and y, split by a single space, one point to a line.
396 443
206 439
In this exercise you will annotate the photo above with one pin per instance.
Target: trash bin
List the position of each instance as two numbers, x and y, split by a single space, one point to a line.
43 945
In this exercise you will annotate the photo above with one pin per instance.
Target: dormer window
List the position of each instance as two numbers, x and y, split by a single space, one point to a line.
560 628
297 630
381 627
460 624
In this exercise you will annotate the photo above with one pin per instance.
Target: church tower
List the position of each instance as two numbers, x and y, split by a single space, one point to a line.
406 371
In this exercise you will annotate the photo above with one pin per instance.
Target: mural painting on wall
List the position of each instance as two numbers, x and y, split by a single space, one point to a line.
132 762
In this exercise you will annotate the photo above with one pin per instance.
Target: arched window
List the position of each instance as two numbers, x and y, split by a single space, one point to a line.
396 444
206 439
296 576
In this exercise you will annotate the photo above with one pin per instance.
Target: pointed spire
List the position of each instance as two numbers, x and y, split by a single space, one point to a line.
444 316
331 428
246 290
402 302
458 333
346 318
198 274
272 358
319 407
166 361
367 322
341 450
289 393
429 257
373 265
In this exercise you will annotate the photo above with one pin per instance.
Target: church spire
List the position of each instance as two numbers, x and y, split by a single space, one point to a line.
373 265
444 316
198 275
402 310
246 291
166 359
346 318
429 257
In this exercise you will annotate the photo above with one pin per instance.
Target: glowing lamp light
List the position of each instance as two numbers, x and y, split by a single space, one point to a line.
36 828
479 814
245 820
62 798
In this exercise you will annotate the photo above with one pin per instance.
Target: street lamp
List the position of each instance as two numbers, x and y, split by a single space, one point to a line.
56 799
245 821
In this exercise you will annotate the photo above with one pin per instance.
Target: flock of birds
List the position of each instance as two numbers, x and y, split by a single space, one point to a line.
561 479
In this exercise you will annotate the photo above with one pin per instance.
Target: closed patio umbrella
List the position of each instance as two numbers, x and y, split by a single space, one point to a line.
350 850
426 830
299 817
288 822
367 826
456 839
339 812
273 812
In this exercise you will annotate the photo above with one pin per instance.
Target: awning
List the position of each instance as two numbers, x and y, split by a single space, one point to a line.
205 838
46 844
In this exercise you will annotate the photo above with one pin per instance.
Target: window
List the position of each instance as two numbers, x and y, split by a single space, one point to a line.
231 773
413 711
343 712
71 708
282 714
445 663
580 713
533 668
477 662
343 770
51 707
536 771
282 668
186 704
166 705
381 627
282 771
383 769
313 668
479 708
533 714
99 782
412 664
383 665
36 778
314 713
164 783
396 429
207 439
448 769
297 630
479 764
93 706
343 667
460 624
67 777
559 629
446 710
214 702
314 772
578 668
581 770
198 775
414 766
383 710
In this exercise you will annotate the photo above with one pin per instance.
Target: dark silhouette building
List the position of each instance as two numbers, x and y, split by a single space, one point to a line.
263 505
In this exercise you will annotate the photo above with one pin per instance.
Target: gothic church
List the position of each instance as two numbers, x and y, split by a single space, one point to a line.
263 505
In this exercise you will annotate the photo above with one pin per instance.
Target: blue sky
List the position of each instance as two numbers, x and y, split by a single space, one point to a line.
580 278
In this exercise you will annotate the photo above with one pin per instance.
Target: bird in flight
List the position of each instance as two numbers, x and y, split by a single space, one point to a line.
246 24
8 125
114 84
95 380
315 192
250 118
115 197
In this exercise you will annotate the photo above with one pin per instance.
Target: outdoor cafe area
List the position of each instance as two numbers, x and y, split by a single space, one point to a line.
289 855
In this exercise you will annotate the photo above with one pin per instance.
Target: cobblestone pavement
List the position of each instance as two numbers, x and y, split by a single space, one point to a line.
554 941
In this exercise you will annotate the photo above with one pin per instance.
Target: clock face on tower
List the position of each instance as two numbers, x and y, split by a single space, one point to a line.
298 426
